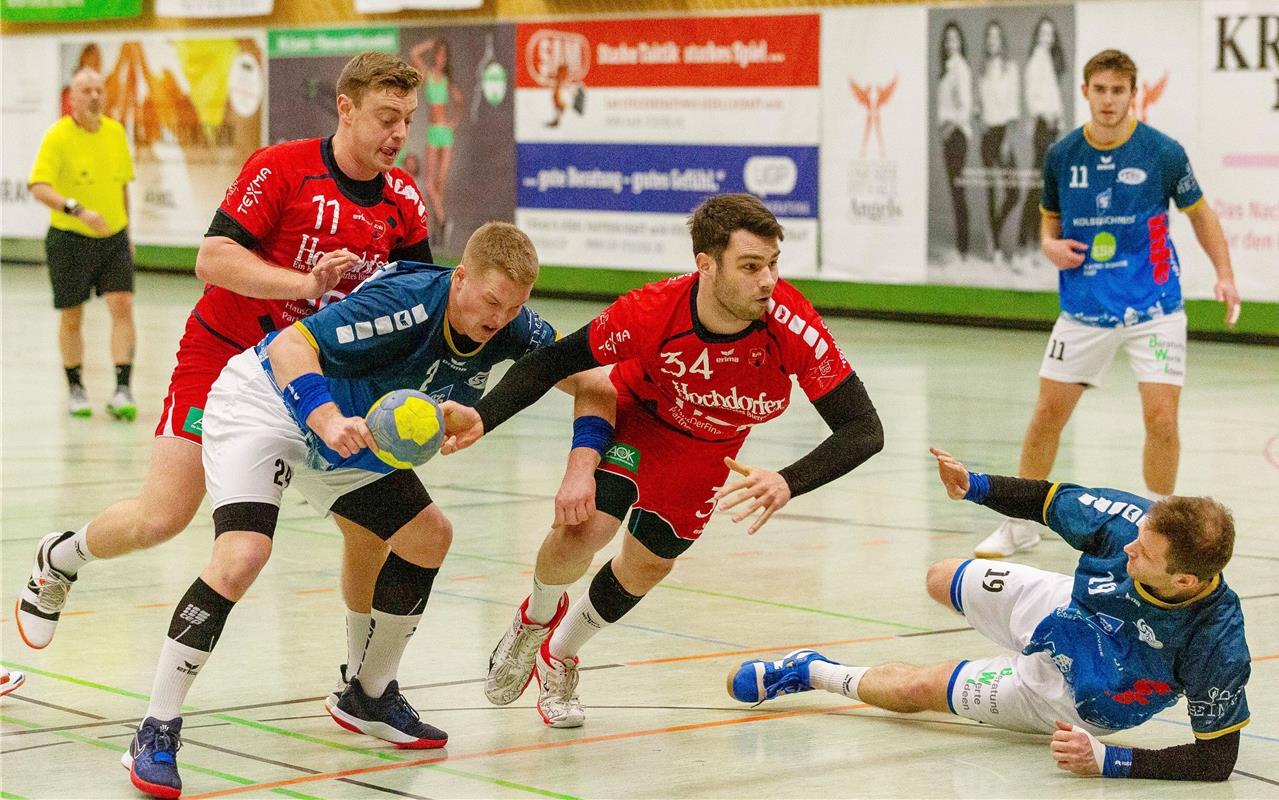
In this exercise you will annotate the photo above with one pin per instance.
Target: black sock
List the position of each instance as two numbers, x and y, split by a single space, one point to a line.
608 596
122 374
73 376
199 616
402 587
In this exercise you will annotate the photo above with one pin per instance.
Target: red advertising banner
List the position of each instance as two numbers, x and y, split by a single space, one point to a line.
779 50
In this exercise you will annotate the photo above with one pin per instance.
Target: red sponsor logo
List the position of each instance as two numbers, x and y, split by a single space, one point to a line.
757 357
1141 691
872 98
1160 254
379 229
1149 95
551 55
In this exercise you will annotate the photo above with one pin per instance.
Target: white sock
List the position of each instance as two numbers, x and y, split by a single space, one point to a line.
580 623
357 636
837 678
544 600
381 660
174 673
68 555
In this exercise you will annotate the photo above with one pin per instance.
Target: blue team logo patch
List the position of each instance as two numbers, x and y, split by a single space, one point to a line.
1107 623
1103 201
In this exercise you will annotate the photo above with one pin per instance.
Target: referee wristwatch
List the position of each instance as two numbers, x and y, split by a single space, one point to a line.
72 206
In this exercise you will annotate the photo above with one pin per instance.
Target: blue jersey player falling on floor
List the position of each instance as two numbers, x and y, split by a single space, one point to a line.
1146 618
1108 190
290 412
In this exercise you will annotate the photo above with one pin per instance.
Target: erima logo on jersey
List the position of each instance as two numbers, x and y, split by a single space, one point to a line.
366 329
1106 163
1127 510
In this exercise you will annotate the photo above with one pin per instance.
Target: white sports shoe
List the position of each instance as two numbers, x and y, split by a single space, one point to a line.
557 700
43 598
78 402
10 681
1012 536
511 664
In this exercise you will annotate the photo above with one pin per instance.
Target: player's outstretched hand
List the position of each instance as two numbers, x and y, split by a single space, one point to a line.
767 491
954 475
462 427
1226 292
1065 253
346 435
327 272
1076 750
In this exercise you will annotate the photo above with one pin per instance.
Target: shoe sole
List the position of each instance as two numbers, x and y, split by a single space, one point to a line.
759 683
386 732
153 789
126 413
17 617
13 683
82 414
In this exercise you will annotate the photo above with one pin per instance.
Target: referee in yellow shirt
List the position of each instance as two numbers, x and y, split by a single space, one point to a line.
82 173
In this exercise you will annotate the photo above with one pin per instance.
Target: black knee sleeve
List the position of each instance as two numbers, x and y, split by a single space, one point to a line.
402 587
251 517
197 621
608 596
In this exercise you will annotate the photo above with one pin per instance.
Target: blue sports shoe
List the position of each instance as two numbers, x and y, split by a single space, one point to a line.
152 757
389 717
757 681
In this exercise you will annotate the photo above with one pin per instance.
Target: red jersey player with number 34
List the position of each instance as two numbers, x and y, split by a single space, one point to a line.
304 223
700 359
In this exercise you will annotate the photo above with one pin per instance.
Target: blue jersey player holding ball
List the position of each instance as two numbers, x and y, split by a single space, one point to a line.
1107 190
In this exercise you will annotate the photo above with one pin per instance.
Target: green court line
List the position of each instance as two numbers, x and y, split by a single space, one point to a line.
115 748
11 796
265 728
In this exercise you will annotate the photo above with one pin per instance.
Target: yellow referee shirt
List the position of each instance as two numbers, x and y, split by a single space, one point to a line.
91 167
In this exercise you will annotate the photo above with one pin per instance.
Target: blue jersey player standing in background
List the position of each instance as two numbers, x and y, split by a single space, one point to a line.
291 411
1146 618
1107 189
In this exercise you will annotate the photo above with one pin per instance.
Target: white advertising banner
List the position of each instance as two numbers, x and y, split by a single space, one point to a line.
874 132
211 9
28 105
1237 158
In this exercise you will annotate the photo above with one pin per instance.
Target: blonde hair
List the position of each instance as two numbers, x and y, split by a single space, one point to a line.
501 245
374 69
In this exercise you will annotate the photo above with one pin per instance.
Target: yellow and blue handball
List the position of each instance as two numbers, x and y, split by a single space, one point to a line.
407 426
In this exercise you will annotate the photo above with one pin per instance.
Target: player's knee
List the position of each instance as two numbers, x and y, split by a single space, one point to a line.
237 560
1160 422
918 691
939 578
584 539
426 537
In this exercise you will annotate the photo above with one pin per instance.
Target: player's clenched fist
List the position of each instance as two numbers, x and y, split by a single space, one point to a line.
345 435
1075 750
462 427
954 475
1065 253
328 271
767 491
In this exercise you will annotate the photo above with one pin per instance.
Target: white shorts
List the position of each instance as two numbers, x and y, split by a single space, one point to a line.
253 449
1079 353
1005 602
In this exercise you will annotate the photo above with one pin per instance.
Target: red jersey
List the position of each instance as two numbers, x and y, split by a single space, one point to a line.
296 205
714 386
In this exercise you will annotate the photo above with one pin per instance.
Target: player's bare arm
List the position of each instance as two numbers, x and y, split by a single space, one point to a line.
293 358
1063 253
224 262
1213 240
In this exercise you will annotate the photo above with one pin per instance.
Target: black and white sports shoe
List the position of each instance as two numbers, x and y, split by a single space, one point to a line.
389 717
43 598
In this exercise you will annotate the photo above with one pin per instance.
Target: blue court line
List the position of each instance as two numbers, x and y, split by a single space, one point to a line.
659 631
1187 725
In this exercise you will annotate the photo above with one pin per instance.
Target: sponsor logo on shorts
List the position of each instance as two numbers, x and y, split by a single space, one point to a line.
1167 352
623 455
983 690
194 423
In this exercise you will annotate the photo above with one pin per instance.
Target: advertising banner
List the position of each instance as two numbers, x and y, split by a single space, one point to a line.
207 9
67 10
625 126
193 109
1237 156
874 130
1002 88
28 106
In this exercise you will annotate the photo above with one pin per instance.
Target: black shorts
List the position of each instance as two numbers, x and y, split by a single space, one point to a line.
79 263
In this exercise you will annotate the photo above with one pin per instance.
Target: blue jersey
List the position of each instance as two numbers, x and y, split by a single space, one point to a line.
1126 654
1116 202
391 333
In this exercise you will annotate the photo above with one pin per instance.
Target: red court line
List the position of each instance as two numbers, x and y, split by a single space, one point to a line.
1265 658
611 737
781 649
315 591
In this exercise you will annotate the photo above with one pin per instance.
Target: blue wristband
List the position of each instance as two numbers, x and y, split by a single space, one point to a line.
1117 762
978 487
305 393
592 432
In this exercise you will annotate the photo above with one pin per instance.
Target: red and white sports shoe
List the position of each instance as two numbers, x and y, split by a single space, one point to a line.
511 664
10 681
557 701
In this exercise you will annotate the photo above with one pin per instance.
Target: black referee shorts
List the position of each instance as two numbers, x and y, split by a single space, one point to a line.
78 263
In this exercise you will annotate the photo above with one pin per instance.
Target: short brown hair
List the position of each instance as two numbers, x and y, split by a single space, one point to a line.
714 221
1112 61
374 69
501 245
1200 533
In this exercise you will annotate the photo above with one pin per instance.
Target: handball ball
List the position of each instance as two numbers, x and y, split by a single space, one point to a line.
407 426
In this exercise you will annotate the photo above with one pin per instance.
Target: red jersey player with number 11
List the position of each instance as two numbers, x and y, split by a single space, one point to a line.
304 223
700 359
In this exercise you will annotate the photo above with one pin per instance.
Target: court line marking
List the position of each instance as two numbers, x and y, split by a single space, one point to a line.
528 748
